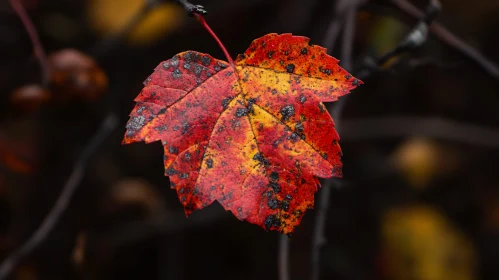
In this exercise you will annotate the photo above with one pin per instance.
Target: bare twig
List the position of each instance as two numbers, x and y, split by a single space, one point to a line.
108 125
452 40
35 40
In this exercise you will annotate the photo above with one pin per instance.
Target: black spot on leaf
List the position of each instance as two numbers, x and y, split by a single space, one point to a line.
241 112
209 163
173 150
261 159
226 102
272 221
299 128
274 176
287 111
285 205
275 187
170 171
206 60
272 203
176 74
303 98
185 127
188 56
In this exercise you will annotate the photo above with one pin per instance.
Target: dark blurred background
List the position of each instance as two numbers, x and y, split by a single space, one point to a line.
420 195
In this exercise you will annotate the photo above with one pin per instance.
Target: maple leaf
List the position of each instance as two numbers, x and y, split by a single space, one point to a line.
255 137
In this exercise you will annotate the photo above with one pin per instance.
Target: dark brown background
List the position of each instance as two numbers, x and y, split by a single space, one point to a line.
109 230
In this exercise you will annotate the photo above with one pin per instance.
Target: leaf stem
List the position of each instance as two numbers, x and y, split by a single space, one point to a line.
33 35
201 19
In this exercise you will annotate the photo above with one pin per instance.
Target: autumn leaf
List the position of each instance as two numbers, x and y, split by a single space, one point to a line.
255 137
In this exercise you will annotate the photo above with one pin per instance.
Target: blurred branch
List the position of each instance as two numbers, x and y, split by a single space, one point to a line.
332 32
416 38
346 57
339 14
395 127
168 223
283 257
35 40
319 238
348 38
62 202
452 40
192 9
349 9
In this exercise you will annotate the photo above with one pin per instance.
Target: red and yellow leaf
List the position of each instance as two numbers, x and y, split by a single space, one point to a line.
254 138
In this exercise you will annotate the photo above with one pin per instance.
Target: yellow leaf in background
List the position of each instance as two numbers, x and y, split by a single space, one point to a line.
161 21
421 160
417 160
109 17
384 35
420 243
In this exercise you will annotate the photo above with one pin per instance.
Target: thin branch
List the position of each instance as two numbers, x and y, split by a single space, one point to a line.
53 217
319 238
35 40
333 30
415 39
170 222
192 9
418 36
334 27
452 40
346 58
348 39
283 257
399 126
